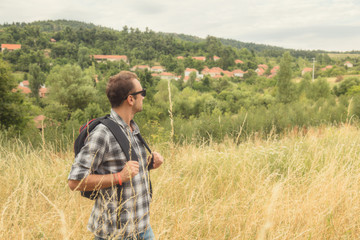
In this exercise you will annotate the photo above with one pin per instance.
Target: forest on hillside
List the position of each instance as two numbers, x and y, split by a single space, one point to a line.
235 90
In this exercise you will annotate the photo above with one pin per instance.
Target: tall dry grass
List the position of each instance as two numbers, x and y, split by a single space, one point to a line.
293 187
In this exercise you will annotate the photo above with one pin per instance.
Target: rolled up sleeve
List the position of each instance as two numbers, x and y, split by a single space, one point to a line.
91 155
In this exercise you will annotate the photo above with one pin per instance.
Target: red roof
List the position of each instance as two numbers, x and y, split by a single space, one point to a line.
11 46
180 57
44 90
158 67
238 61
264 66
190 70
199 58
25 83
307 69
275 69
24 90
216 58
115 57
166 74
238 71
39 121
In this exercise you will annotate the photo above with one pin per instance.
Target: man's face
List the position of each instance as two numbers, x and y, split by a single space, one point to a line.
138 98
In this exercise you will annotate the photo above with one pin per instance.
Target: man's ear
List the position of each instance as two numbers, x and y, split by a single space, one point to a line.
130 100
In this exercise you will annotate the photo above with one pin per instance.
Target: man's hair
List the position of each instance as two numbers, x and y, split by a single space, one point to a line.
119 87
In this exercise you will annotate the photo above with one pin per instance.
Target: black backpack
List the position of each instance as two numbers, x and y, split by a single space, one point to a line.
120 138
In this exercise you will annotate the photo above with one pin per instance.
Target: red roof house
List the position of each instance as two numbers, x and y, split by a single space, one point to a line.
10 47
112 58
199 58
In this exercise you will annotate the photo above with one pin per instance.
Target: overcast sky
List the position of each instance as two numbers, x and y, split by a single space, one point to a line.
332 25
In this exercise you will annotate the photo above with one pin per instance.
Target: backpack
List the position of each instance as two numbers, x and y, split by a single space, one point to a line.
120 137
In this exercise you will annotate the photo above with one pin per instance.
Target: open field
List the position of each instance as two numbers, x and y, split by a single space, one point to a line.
339 56
299 186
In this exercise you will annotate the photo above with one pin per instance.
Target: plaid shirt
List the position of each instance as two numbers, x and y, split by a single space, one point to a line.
102 154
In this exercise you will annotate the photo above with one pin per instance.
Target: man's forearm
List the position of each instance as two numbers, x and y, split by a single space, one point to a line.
93 182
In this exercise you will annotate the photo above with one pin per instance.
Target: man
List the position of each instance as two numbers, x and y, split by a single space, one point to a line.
113 216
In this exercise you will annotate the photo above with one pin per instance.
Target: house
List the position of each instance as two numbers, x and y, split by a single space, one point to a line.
188 71
238 73
167 76
348 64
53 40
326 68
238 61
140 67
305 70
263 66
43 91
158 69
212 72
216 58
274 71
21 88
260 71
199 58
24 83
180 58
228 73
10 47
39 121
112 58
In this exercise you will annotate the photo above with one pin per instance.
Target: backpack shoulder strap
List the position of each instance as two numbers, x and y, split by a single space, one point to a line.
143 141
121 138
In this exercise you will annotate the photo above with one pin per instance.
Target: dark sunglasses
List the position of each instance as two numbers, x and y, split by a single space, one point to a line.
142 92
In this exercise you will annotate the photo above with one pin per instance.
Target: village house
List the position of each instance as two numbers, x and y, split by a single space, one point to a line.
158 69
140 67
228 73
201 58
326 68
274 71
216 58
167 76
214 72
39 122
261 69
180 58
53 40
43 92
238 73
305 70
188 71
238 61
10 47
112 58
348 64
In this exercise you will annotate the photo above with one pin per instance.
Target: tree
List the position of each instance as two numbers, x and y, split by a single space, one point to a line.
286 89
83 57
37 78
12 108
71 87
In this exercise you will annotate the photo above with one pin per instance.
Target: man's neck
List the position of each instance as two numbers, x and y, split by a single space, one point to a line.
125 114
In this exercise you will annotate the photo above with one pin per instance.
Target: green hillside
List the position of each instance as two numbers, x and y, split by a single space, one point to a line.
234 88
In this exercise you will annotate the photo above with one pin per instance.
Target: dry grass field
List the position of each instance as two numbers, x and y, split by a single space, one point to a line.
297 186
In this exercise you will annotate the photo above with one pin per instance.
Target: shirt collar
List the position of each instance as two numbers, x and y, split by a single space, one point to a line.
123 124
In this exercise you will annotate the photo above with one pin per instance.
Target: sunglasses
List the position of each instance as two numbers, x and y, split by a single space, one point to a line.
142 92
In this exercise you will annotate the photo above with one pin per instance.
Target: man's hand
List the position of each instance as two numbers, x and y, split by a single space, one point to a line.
158 160
129 171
